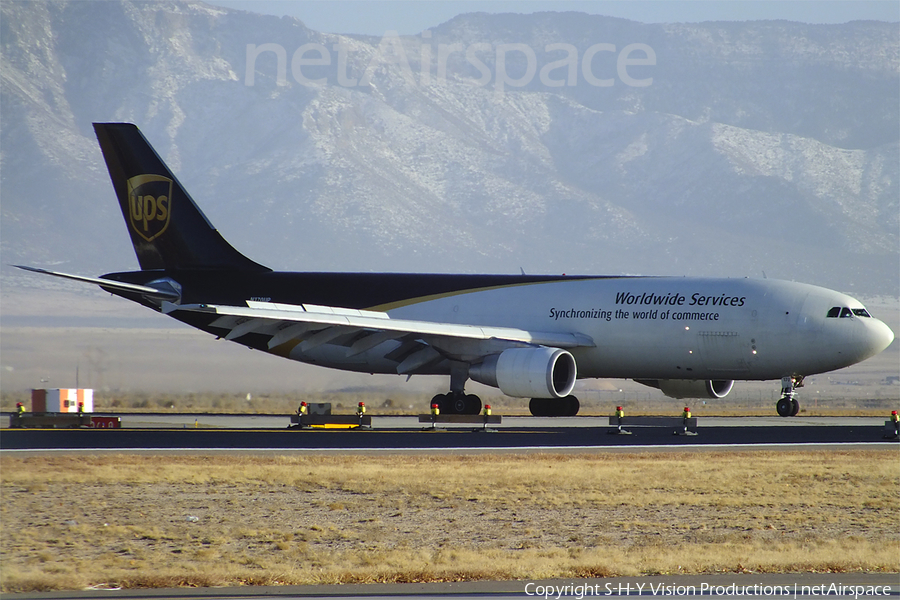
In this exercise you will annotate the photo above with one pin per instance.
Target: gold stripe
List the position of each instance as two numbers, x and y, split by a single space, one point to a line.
284 350
420 299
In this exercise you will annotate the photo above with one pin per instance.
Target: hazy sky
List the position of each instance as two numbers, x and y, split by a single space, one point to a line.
409 17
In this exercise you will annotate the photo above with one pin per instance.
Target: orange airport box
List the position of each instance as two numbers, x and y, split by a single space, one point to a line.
64 400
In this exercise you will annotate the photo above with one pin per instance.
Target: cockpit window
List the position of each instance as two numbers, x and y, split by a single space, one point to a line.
846 313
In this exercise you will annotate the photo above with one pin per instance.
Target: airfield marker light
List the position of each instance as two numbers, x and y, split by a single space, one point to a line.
620 414
435 411
486 413
686 415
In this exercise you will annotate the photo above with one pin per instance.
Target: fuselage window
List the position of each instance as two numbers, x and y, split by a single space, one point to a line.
834 313
846 313
861 312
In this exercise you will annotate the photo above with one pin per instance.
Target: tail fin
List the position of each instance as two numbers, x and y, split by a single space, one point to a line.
167 228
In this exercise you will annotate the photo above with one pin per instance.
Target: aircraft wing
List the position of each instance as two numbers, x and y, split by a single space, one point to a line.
361 330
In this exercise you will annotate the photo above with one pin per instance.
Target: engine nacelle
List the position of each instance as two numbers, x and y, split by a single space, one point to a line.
528 372
691 388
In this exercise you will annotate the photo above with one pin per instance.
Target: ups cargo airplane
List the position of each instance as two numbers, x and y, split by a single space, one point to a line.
531 336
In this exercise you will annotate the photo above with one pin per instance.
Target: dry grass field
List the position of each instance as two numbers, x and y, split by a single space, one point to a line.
149 521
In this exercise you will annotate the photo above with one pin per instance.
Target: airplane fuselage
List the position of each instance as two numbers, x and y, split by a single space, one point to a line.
642 327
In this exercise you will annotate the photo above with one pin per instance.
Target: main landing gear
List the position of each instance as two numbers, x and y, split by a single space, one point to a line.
470 404
456 403
554 407
787 405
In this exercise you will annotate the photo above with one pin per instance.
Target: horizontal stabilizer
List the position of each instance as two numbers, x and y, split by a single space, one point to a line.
106 283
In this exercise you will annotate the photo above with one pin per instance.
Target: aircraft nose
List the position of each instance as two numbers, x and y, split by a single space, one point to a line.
879 336
866 338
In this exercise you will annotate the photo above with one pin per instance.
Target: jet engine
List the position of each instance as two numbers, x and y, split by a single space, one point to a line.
528 372
691 388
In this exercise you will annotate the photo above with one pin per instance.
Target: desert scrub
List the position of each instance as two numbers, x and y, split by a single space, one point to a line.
141 521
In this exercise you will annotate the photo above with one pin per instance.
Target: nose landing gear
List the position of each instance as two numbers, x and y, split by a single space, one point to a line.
787 405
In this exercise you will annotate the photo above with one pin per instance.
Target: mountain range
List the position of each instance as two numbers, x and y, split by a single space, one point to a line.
548 142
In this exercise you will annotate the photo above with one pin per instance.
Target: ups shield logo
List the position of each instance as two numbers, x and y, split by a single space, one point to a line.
149 205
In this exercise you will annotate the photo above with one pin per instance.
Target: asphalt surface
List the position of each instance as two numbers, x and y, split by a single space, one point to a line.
236 432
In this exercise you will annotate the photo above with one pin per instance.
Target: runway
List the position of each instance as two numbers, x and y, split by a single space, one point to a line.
271 432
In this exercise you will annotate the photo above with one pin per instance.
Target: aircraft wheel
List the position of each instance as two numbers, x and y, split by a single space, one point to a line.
539 408
441 401
795 407
456 404
784 407
552 407
473 404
